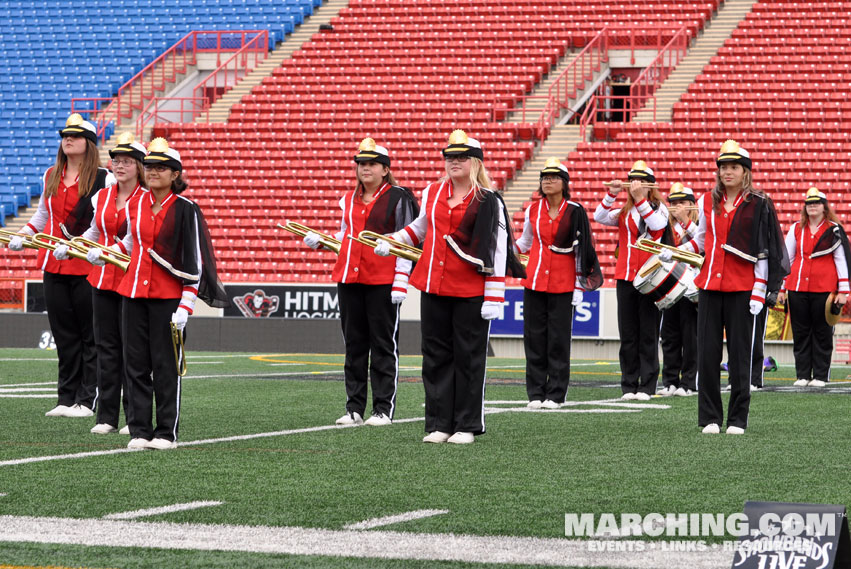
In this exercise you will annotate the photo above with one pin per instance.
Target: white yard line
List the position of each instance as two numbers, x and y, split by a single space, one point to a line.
29 360
53 383
161 510
361 544
253 375
399 518
7 389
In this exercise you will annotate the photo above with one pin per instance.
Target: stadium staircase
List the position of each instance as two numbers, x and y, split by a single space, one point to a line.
706 46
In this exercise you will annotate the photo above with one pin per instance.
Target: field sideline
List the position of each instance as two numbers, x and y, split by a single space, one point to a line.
262 478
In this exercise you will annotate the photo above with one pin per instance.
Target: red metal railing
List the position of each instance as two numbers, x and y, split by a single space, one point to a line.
227 74
144 86
170 109
644 38
660 68
609 109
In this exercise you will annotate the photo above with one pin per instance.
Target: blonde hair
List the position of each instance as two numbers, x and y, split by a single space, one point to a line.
720 190
693 214
478 175
88 171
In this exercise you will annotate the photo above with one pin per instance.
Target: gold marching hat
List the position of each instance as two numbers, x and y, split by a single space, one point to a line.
160 153
815 196
368 151
732 152
128 146
554 166
460 144
641 171
680 192
77 126
832 311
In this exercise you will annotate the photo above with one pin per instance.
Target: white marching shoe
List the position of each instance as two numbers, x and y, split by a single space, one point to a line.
641 396
711 429
125 430
350 419
683 392
801 383
550 404
161 444
58 411
436 437
138 443
103 429
378 420
816 383
536 404
732 430
79 411
628 396
667 391
461 438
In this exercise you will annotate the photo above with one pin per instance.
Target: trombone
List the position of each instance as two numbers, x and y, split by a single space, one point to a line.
117 258
6 236
397 248
179 353
650 246
648 185
524 259
78 247
302 230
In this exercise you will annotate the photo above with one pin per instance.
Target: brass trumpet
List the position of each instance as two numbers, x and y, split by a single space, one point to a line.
397 248
179 354
302 230
524 259
6 236
650 246
51 242
649 185
108 255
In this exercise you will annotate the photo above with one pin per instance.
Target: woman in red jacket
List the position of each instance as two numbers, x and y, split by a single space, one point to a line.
172 264
745 263
371 288
467 252
65 211
818 250
562 264
109 224
642 216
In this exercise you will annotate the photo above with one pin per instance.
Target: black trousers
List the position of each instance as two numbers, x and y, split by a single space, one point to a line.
371 334
812 336
69 311
106 306
679 345
758 349
638 326
150 367
718 312
547 327
454 347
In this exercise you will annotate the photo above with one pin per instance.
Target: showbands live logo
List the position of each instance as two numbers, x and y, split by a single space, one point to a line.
257 304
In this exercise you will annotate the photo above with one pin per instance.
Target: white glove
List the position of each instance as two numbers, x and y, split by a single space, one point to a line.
666 255
397 297
382 248
16 243
756 307
61 252
93 256
180 317
312 240
692 292
577 297
490 309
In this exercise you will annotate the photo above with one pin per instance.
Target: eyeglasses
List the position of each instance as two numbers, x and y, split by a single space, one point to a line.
122 162
456 158
156 167
550 178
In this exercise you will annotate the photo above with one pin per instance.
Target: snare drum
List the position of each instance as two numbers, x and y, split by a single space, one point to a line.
665 282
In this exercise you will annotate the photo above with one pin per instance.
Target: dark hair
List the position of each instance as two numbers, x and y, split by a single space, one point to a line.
565 188
179 184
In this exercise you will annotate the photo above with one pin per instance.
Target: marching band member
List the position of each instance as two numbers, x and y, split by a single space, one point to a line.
467 252
818 250
371 288
64 211
172 264
745 265
643 215
562 264
108 224
679 322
